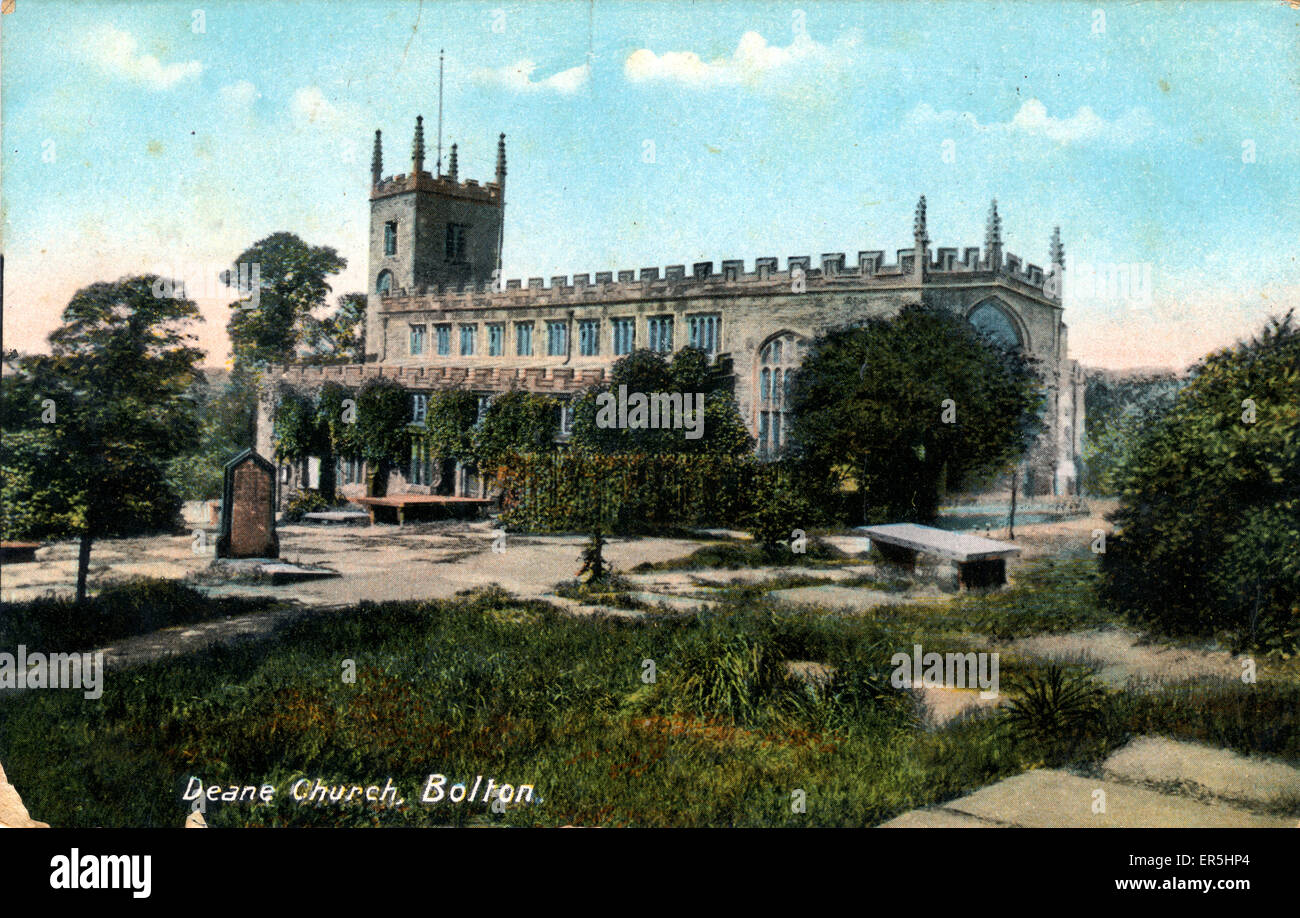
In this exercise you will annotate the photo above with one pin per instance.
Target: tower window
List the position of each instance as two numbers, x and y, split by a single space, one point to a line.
444 340
384 284
624 336
589 337
496 340
455 242
467 335
390 237
523 339
417 340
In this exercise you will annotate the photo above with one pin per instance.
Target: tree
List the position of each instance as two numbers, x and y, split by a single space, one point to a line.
1120 410
227 419
516 422
646 372
909 407
90 428
382 430
1208 526
292 282
449 429
340 337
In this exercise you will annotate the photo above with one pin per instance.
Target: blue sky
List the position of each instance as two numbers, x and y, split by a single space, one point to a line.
1162 136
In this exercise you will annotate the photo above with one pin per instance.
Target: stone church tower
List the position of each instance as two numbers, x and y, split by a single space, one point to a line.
431 231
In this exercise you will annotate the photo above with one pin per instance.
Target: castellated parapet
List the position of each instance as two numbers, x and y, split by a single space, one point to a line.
673 281
558 380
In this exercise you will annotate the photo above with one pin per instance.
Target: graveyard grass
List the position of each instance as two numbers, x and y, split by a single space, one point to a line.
517 691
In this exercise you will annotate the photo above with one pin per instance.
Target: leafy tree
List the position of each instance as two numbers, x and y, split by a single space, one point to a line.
382 430
227 419
644 371
292 283
90 428
869 405
313 425
450 422
1208 526
1120 410
340 337
516 422
449 430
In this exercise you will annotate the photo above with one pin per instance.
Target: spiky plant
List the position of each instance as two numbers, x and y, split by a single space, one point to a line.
1058 706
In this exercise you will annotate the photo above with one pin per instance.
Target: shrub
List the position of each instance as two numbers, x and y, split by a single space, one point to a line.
778 512
1209 518
1055 708
626 493
303 502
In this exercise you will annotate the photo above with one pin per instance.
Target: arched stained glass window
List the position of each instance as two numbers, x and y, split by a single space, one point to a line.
992 321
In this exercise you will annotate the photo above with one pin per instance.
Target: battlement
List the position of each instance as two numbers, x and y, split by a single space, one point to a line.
833 271
559 380
468 190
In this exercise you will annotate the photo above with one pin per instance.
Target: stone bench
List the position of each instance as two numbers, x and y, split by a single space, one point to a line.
400 506
16 552
981 562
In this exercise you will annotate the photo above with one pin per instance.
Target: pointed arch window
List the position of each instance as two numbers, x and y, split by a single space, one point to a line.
993 322
777 361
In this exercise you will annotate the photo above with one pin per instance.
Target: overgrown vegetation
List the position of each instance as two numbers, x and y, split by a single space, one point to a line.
909 408
728 719
120 610
1209 518
1120 409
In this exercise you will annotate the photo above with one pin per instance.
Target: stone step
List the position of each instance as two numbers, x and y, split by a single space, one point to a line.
1222 773
1047 798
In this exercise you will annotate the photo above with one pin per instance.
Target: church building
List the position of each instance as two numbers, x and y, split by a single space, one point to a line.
440 316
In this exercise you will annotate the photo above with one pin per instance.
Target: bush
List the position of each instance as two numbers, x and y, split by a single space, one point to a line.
776 516
1209 518
303 502
1056 710
630 493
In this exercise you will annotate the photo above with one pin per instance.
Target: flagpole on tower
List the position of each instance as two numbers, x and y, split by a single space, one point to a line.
438 174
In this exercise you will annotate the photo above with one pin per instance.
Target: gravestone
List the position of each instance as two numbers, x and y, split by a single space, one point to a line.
248 509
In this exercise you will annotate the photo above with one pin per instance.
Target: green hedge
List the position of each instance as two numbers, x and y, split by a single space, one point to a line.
573 491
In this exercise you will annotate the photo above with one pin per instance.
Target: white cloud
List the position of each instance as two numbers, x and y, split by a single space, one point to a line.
518 77
117 52
310 106
1033 120
754 63
239 95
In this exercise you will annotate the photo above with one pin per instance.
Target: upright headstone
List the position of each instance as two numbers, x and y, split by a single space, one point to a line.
248 509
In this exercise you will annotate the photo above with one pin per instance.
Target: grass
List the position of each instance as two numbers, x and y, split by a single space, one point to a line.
489 685
612 590
738 554
124 609
486 684
1049 597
